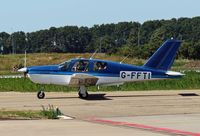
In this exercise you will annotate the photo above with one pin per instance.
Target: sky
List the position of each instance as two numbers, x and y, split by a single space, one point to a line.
33 15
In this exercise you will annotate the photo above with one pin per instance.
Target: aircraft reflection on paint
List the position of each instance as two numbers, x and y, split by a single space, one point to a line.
82 72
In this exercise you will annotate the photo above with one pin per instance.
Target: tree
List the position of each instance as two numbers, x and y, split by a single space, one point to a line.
117 38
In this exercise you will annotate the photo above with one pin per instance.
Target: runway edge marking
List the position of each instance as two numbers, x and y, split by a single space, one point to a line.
144 127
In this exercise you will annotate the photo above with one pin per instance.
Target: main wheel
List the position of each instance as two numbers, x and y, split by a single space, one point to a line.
83 95
40 94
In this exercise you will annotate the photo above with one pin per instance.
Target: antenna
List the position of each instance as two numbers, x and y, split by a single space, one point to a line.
25 59
124 58
94 54
26 39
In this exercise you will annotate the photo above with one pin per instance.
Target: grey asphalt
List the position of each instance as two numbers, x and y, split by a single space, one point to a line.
65 128
161 109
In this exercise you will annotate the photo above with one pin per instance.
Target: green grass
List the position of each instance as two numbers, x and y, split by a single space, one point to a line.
20 115
26 115
7 72
50 112
25 85
190 81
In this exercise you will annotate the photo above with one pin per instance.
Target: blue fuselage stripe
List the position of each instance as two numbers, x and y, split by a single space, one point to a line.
92 74
71 73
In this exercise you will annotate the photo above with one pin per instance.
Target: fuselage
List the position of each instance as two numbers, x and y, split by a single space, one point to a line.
107 72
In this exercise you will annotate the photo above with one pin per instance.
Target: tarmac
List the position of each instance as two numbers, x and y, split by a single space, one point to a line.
140 113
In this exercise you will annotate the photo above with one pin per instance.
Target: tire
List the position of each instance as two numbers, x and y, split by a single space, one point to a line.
40 95
83 96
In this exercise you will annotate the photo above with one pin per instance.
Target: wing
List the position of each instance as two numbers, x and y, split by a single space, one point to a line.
83 80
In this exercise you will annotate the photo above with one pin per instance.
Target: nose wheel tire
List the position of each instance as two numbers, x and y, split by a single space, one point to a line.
40 95
83 94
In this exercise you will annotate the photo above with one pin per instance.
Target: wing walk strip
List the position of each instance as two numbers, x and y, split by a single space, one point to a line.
144 127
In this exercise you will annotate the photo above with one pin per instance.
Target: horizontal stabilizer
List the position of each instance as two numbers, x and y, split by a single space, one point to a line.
173 73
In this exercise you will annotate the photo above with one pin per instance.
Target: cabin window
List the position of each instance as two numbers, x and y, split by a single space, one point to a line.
81 66
100 66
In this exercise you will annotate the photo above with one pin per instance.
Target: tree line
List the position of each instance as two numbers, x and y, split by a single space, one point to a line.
124 38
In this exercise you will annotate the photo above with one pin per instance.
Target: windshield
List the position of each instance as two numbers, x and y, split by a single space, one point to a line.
64 65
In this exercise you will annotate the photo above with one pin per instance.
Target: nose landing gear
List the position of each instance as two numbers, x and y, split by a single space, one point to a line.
40 93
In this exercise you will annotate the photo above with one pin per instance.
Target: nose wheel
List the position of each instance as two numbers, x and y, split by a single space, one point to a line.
40 94
83 94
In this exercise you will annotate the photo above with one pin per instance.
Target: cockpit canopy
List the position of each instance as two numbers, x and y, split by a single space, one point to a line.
83 65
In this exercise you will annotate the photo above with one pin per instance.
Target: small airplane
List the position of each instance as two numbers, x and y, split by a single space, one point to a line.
81 72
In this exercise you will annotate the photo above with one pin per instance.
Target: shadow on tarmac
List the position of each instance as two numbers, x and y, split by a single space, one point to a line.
91 97
188 94
139 95
155 95
102 97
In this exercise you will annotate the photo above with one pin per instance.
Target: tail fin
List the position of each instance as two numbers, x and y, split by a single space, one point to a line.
164 57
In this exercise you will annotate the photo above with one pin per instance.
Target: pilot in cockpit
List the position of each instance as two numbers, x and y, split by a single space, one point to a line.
81 66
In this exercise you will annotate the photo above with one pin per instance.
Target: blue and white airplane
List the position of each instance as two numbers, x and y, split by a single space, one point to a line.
82 72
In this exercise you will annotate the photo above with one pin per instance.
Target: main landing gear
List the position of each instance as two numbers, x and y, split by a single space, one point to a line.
83 94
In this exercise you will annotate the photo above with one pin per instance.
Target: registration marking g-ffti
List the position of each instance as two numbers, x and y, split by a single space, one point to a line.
135 75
